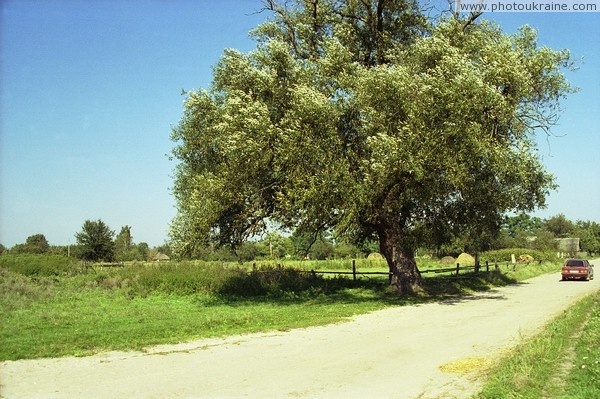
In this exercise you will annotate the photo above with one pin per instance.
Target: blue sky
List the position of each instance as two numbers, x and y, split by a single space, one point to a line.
91 89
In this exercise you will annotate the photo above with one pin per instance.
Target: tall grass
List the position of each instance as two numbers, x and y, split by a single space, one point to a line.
39 265
317 265
54 310
206 278
130 309
180 278
541 367
583 380
19 291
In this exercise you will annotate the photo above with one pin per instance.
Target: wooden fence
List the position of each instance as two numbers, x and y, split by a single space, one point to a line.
92 266
455 270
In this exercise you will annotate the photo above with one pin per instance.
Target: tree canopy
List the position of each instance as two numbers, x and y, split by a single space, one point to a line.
368 119
35 244
95 241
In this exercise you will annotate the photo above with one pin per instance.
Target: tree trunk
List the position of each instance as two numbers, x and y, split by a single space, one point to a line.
404 274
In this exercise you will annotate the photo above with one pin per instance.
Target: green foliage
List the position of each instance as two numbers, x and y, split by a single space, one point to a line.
274 246
589 234
35 244
50 325
145 304
179 278
248 251
345 250
393 128
18 291
534 368
271 282
38 265
95 241
543 240
124 244
583 380
505 255
559 225
209 278
522 223
139 252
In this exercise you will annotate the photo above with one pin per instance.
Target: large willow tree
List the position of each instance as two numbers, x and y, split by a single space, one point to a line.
364 117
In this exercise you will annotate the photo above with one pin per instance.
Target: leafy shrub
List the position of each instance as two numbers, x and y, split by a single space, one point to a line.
329 264
18 291
38 265
180 278
201 278
269 281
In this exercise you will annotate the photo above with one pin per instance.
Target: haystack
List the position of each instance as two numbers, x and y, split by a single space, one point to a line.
465 259
447 260
525 259
375 256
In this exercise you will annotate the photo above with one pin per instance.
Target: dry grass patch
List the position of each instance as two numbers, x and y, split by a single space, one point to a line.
467 365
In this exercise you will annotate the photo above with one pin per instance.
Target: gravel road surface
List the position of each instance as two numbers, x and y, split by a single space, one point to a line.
402 352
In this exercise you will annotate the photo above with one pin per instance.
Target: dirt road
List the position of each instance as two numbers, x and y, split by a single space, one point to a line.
403 352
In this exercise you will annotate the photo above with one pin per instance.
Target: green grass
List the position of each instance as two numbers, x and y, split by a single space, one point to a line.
524 272
82 315
583 380
333 264
561 362
39 265
85 323
51 315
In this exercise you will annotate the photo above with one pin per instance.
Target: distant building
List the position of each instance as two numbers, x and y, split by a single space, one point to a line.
160 257
569 245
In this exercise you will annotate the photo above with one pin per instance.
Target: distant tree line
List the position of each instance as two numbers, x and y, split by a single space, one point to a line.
518 231
97 242
525 231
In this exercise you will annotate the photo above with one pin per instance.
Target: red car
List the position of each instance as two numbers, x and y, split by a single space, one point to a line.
577 269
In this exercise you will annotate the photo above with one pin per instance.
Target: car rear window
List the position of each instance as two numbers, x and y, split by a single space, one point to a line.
575 263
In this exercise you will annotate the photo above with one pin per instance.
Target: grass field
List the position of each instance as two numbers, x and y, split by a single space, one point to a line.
56 310
561 362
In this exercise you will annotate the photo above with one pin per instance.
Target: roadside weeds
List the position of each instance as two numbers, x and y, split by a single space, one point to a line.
548 364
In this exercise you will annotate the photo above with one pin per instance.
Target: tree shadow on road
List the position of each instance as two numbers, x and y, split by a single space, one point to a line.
452 290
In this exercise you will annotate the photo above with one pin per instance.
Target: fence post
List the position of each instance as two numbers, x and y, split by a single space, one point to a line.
487 266
353 269
457 268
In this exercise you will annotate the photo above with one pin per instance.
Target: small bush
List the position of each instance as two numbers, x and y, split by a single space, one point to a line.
181 278
38 265
18 291
269 281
